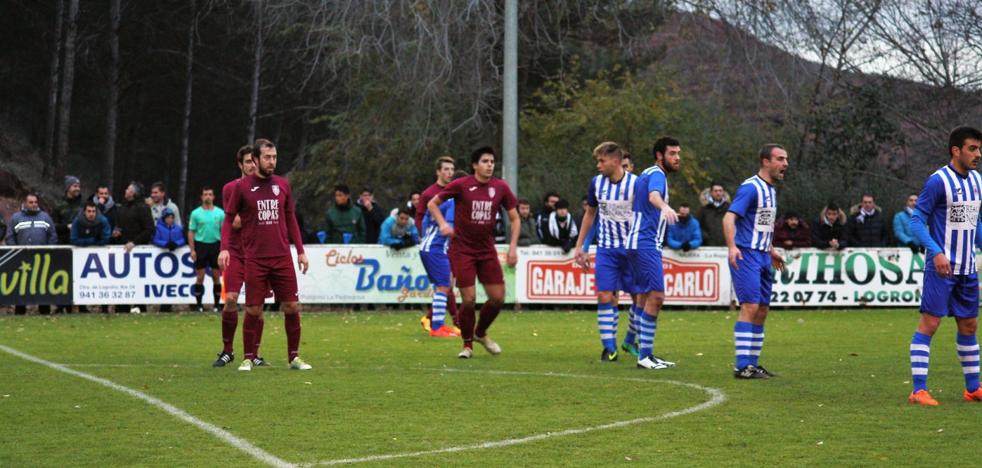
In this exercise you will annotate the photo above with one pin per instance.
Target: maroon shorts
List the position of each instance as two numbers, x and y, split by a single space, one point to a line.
265 274
485 266
234 275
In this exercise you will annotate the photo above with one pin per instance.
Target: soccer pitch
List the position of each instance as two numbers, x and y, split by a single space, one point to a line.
382 392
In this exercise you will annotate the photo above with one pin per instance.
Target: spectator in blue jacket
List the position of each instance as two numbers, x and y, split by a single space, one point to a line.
91 228
169 234
685 235
901 225
31 225
399 231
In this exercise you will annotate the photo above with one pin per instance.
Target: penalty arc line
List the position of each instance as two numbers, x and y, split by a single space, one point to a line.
229 438
718 397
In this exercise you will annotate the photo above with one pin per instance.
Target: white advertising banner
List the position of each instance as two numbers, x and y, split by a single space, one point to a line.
145 275
546 275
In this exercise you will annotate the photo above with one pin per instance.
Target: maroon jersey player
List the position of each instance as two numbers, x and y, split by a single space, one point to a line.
264 203
472 252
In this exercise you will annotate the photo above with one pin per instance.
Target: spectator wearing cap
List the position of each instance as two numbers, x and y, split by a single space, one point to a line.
90 229
168 234
373 214
829 230
159 201
901 225
134 221
791 232
345 223
558 228
684 235
68 208
715 203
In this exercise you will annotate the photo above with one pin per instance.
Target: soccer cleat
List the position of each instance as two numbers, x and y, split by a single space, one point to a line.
631 348
259 362
223 358
973 396
215 309
749 372
648 362
444 332
488 344
608 356
424 321
466 353
298 364
922 397
246 365
662 361
766 372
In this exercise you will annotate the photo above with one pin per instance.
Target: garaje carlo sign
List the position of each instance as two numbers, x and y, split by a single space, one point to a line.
546 275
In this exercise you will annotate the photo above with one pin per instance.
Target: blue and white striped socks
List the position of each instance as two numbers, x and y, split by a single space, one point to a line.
743 341
632 324
968 354
920 354
607 325
439 310
756 343
646 334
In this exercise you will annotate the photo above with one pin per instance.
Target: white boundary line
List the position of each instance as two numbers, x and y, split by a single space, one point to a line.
718 397
231 439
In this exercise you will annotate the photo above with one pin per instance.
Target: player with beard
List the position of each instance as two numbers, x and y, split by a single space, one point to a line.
264 203
472 253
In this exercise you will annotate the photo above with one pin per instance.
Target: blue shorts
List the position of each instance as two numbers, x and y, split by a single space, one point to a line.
647 269
753 279
437 265
955 296
613 271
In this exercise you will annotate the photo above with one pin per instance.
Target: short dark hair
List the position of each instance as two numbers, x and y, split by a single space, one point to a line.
342 188
832 206
627 155
159 186
240 154
88 204
957 137
367 189
524 201
101 185
549 195
261 143
414 192
683 205
767 150
867 194
562 203
444 160
207 188
459 174
662 144
476 155
31 194
716 183
406 211
792 214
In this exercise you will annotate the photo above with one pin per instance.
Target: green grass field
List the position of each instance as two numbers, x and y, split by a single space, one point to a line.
380 387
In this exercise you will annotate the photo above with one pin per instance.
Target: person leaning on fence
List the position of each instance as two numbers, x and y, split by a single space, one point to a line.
867 225
829 229
168 234
559 229
91 228
528 235
399 231
31 226
684 235
345 223
792 232
715 203
901 226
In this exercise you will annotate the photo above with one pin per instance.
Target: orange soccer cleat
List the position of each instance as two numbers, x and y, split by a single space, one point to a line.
973 396
922 397
424 321
445 332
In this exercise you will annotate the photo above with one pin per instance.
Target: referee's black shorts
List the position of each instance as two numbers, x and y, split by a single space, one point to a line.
207 254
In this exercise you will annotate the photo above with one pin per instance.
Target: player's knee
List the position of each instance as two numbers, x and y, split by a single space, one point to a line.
290 308
605 297
968 326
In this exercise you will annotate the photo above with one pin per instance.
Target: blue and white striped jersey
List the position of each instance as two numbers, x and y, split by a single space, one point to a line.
615 209
756 205
432 240
951 202
648 227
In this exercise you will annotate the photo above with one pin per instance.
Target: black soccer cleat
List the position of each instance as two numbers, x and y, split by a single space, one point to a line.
749 372
766 372
608 356
223 359
258 361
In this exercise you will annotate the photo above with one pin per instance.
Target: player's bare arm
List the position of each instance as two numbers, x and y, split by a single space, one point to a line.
583 258
671 217
729 232
194 255
516 230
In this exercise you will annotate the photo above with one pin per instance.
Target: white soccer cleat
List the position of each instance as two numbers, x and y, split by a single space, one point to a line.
649 363
465 353
488 344
298 364
662 361
246 365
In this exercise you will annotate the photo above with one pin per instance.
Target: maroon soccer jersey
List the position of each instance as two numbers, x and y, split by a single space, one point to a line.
425 198
234 237
475 208
266 209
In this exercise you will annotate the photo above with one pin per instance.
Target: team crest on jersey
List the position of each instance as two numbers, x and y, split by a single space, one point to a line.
491 192
276 190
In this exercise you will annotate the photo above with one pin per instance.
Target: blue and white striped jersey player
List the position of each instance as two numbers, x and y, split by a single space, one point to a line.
610 201
948 207
652 215
748 227
433 254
